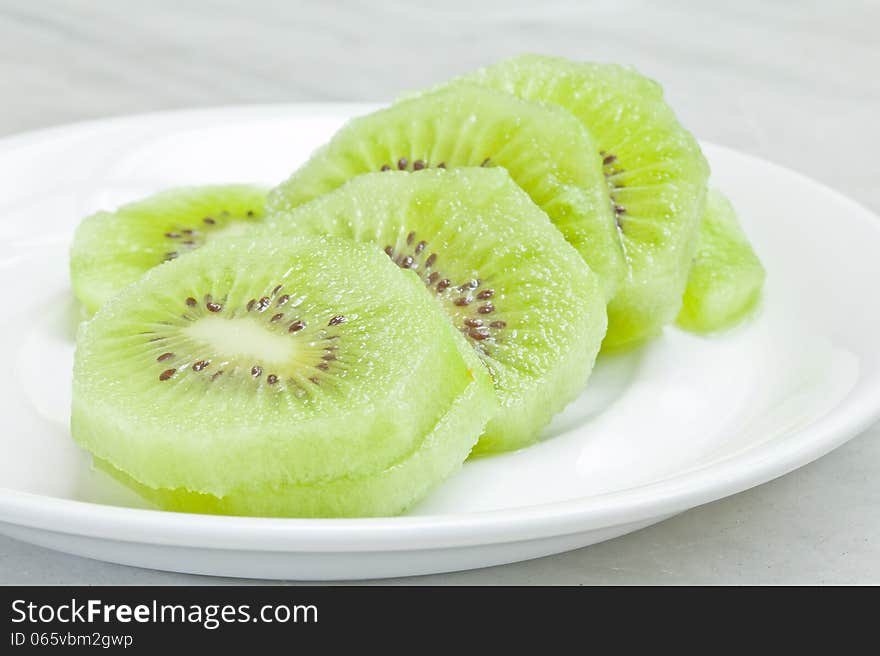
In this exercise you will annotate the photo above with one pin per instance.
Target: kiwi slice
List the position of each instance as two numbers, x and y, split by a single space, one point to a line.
656 176
727 277
545 150
519 293
297 377
113 249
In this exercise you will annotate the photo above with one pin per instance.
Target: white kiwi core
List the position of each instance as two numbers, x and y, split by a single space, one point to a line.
243 338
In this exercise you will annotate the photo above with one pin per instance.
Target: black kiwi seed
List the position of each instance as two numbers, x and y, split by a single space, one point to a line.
271 379
191 301
486 162
251 304
410 237
418 165
256 371
441 165
401 163
385 167
209 220
443 284
335 321
478 334
296 326
276 290
263 304
420 247
473 323
461 301
486 293
276 317
164 356
498 324
168 373
172 235
486 309
323 366
282 300
407 262
171 255
608 159
213 307
217 375
430 261
201 364
433 277
250 213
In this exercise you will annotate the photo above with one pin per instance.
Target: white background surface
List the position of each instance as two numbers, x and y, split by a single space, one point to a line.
792 82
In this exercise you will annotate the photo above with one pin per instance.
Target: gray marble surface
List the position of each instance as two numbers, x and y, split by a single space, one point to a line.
794 82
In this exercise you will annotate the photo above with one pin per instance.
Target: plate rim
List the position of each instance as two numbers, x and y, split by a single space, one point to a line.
682 491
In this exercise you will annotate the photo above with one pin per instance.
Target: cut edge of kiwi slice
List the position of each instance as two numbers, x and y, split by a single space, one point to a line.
727 278
388 492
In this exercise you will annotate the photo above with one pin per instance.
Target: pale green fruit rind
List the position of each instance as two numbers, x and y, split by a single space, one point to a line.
482 227
727 277
400 369
545 150
658 161
113 249
385 493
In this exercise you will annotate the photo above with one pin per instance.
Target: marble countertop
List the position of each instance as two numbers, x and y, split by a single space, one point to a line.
795 84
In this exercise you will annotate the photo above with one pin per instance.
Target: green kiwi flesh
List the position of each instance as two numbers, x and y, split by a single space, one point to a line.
655 173
517 291
545 150
726 278
113 249
301 377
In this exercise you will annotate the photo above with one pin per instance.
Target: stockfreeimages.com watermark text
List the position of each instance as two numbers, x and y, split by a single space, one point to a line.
209 616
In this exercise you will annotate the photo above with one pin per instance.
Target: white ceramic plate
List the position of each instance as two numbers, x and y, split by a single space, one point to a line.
683 421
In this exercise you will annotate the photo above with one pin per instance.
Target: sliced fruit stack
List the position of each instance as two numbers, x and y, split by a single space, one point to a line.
305 376
434 282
